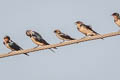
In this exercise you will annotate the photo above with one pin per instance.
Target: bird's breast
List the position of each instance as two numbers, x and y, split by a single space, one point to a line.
84 30
8 46
118 22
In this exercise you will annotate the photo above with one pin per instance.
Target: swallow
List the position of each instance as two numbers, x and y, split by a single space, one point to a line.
116 17
62 36
12 45
37 39
86 29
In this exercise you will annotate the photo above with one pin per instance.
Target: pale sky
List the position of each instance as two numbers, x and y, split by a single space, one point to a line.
92 60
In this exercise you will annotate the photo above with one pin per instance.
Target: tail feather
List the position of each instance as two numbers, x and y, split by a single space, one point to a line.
102 38
26 54
49 44
55 48
72 38
100 35
52 50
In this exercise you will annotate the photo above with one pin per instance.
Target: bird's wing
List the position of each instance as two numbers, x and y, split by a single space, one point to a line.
14 46
119 17
66 36
90 28
39 38
36 34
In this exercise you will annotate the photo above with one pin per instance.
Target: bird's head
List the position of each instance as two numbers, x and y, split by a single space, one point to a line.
57 31
28 32
6 39
115 15
78 22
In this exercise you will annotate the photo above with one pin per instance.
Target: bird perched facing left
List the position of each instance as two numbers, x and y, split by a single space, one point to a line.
116 17
37 38
62 36
86 29
12 45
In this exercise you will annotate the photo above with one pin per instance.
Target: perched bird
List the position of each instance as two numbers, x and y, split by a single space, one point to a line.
37 39
62 36
86 29
116 17
12 45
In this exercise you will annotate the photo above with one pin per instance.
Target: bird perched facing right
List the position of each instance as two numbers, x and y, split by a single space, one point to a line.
116 17
86 29
37 38
62 36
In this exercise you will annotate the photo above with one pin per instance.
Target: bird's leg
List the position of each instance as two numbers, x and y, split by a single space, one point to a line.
36 46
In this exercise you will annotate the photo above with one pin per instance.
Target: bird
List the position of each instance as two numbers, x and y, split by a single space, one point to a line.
62 36
11 44
37 39
86 29
116 17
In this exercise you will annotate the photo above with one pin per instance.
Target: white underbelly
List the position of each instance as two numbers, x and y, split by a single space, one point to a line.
85 31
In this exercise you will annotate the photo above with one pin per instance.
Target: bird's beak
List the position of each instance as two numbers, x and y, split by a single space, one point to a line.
54 31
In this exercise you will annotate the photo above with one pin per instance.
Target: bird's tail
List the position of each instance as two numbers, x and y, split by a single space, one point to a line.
100 35
55 48
102 38
49 44
26 54
95 33
73 39
52 50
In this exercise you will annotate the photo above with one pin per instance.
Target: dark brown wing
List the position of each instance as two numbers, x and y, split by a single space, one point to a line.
90 28
66 36
42 41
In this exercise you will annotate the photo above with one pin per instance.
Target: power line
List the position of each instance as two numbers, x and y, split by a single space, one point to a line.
3 55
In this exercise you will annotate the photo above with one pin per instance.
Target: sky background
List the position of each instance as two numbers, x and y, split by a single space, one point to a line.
92 60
